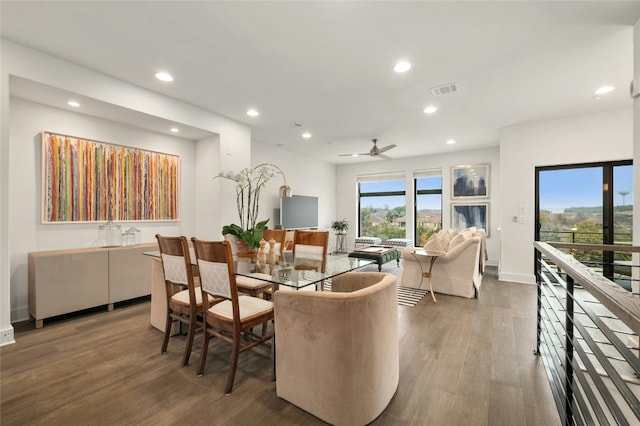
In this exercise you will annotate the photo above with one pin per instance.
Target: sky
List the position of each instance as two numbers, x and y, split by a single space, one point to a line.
582 187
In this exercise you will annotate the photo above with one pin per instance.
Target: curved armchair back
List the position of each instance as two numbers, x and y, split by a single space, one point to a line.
337 352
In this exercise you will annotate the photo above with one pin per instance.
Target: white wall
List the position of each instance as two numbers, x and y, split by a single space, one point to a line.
232 141
6 330
207 205
347 189
589 138
305 175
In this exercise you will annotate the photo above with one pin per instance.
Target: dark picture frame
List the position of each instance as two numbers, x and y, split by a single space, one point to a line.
470 181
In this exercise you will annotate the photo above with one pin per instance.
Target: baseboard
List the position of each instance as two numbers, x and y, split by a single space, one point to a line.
6 337
517 278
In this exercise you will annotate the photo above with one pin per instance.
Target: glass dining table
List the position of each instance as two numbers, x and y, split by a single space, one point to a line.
297 273
300 272
290 273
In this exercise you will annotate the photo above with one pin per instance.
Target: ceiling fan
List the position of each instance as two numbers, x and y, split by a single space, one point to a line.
374 151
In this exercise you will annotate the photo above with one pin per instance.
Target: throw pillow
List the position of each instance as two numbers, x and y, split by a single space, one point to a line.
461 237
437 243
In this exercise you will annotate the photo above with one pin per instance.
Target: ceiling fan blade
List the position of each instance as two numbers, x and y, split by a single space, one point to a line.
386 157
386 148
354 155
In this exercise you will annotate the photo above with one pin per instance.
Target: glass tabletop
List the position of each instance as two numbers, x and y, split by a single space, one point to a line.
295 274
300 273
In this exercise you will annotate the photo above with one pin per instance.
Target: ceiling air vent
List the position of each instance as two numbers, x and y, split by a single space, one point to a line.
445 89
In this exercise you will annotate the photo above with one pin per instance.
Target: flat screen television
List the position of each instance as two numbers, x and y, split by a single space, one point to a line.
299 212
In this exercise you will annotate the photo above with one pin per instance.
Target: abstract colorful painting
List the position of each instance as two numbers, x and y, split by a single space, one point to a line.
89 181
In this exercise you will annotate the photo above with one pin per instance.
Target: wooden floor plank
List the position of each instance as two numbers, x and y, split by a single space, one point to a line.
462 362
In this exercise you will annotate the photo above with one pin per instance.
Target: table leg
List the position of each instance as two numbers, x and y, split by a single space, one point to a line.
433 296
424 275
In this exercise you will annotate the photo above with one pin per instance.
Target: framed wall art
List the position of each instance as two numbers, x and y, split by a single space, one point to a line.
91 181
470 181
467 215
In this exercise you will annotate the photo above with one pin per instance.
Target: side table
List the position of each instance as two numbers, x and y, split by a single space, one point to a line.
341 243
426 274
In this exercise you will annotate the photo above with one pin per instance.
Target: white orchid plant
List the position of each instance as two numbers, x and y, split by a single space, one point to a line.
249 182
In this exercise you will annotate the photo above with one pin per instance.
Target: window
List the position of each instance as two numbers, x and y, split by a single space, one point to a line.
592 204
428 205
382 206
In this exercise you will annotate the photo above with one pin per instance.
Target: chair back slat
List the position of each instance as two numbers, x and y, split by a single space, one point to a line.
217 272
214 278
175 269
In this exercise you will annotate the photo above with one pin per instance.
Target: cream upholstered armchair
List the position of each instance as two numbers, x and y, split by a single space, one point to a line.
337 351
459 267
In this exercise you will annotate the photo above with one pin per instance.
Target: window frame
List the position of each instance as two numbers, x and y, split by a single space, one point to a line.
417 192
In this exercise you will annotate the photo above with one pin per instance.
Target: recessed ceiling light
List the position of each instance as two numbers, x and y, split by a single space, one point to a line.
73 104
253 113
604 89
306 135
164 76
174 129
451 141
430 109
402 66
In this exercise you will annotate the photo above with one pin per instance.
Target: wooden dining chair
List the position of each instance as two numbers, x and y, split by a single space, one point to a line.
310 247
279 236
233 318
184 299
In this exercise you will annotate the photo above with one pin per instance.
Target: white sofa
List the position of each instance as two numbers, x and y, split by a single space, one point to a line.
337 352
459 267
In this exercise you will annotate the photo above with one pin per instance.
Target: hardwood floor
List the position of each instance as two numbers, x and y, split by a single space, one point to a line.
462 362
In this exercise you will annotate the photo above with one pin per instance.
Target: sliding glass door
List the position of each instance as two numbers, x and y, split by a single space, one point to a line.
587 203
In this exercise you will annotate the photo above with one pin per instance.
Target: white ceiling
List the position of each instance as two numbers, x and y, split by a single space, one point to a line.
328 65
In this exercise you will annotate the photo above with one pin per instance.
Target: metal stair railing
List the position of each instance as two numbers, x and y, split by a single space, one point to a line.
587 337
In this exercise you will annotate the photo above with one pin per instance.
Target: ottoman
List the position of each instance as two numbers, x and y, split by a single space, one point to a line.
380 254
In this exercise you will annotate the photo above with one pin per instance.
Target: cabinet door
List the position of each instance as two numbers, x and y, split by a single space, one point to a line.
129 272
64 283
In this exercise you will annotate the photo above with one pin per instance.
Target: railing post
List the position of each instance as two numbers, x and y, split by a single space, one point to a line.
539 312
569 353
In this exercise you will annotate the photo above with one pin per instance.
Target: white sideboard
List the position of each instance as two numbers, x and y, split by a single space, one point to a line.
65 281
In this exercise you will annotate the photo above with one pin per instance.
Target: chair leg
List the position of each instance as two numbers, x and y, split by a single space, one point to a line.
205 349
235 351
192 332
167 332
